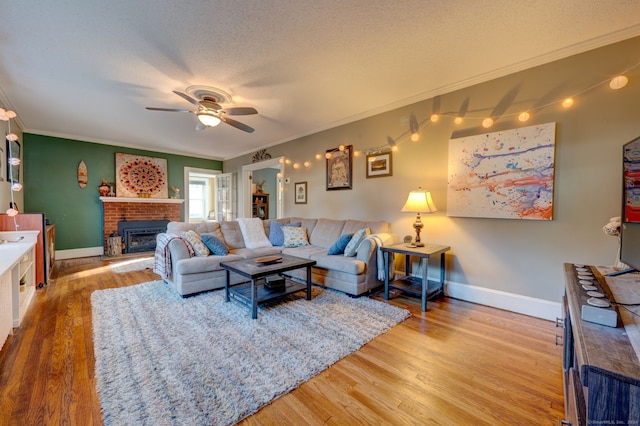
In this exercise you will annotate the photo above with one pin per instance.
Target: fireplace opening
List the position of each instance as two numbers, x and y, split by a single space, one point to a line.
140 235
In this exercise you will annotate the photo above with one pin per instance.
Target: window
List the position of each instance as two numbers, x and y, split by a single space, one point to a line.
197 199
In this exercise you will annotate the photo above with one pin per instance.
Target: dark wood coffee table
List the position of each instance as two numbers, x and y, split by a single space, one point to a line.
253 293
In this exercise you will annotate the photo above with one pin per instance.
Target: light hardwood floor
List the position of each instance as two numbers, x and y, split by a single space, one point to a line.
457 364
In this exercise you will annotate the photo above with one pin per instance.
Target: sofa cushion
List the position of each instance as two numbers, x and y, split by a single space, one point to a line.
326 232
197 265
276 236
295 237
216 246
352 247
232 235
193 238
348 265
247 253
305 252
339 245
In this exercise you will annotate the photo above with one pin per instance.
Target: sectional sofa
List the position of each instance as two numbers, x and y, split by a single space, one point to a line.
354 275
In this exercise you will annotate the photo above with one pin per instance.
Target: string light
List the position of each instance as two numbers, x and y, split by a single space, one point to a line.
413 134
487 122
7 115
618 82
306 163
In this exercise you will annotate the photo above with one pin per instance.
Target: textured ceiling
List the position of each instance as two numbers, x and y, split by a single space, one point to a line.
87 69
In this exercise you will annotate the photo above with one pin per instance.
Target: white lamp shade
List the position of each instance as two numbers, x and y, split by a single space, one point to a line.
209 120
419 202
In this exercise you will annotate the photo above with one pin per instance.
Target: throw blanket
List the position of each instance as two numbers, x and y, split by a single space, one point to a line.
253 233
381 240
162 258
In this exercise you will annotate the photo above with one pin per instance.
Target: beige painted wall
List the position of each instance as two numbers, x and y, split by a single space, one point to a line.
515 256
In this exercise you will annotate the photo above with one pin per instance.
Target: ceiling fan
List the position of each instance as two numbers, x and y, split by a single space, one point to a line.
209 111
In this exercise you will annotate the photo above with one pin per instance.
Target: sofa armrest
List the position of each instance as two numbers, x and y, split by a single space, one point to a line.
178 250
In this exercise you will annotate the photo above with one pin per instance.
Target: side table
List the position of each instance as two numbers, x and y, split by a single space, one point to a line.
415 285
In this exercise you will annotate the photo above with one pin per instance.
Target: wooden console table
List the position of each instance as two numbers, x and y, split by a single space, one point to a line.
601 367
416 286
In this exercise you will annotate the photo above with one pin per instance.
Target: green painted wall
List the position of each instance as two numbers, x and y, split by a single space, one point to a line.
50 167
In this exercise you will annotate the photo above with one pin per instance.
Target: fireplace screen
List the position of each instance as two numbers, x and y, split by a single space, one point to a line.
140 235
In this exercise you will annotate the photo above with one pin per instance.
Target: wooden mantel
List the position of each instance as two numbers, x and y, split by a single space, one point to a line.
141 200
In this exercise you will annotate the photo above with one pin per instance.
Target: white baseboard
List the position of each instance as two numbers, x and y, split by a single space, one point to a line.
526 305
82 252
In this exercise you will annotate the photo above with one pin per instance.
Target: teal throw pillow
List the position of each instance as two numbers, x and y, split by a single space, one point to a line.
352 248
215 245
340 244
276 236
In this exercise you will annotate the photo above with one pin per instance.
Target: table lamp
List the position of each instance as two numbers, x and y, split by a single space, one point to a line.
419 201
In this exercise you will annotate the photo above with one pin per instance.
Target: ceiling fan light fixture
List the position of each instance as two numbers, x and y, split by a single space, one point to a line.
208 119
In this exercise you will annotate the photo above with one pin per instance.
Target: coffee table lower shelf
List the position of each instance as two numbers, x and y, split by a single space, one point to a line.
242 292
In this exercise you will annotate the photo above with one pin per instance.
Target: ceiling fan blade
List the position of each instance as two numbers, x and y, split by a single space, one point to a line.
237 124
187 98
168 109
240 111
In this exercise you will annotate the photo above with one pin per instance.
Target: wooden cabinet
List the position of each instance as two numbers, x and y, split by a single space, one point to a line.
601 366
260 205
31 222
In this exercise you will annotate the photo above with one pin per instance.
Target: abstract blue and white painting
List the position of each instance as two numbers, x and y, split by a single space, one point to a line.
507 174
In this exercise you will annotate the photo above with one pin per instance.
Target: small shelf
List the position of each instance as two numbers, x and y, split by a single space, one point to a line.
242 292
413 286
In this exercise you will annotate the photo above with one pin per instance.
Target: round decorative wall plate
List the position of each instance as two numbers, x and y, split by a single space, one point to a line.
140 176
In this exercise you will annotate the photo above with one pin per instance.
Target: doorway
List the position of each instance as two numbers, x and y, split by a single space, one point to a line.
269 173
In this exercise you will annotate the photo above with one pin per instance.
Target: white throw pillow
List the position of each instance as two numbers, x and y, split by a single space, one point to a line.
253 233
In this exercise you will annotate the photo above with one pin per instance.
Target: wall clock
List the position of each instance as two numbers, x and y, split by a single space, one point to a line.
138 176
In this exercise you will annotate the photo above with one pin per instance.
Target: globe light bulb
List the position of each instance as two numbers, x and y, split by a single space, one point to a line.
415 137
524 116
618 82
434 118
306 164
487 122
458 120
327 155
318 156
567 103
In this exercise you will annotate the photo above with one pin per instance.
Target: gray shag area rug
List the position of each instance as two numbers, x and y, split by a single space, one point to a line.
166 360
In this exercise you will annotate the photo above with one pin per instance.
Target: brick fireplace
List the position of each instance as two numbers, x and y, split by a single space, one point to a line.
117 209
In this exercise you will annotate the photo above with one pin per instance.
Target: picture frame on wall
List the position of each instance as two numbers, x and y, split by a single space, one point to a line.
13 171
339 168
380 165
300 192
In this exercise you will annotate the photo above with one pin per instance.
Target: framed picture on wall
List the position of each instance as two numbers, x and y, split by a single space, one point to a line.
301 192
339 167
13 151
379 165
